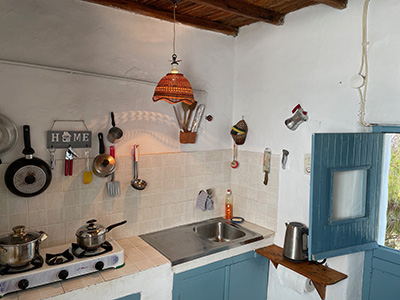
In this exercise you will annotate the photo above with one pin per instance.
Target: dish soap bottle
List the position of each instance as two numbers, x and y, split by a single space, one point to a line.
228 205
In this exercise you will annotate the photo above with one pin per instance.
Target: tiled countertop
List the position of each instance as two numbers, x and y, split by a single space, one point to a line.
139 257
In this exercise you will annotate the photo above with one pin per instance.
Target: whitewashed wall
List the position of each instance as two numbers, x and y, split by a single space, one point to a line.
83 36
262 74
310 61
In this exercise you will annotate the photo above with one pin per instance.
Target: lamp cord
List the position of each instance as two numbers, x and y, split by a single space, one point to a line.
173 45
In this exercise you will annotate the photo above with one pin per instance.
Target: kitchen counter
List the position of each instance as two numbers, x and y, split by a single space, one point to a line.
145 268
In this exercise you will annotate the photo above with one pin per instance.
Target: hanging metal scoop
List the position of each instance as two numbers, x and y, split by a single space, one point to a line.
136 183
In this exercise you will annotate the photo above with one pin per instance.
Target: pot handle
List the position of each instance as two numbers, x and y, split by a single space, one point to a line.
102 148
112 119
43 236
115 225
28 150
4 250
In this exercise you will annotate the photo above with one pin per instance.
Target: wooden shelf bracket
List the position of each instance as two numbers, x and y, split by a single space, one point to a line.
320 275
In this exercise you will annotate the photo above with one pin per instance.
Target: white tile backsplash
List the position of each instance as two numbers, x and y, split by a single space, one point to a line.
174 181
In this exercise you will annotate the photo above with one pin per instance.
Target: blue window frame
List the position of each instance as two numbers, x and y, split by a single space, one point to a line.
340 152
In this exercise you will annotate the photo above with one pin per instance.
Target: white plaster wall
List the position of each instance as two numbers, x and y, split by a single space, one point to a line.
83 36
310 61
262 75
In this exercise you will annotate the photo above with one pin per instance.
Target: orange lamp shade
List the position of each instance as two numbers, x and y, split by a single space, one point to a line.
174 88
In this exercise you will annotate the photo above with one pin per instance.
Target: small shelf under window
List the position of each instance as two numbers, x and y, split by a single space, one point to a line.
320 275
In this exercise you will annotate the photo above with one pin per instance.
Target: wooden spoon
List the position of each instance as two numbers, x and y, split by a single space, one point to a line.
191 108
185 108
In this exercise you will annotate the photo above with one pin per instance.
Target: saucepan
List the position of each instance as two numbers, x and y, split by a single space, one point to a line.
115 133
20 247
92 235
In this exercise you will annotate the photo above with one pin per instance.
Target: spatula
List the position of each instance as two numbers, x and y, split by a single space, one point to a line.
191 109
87 175
112 186
185 108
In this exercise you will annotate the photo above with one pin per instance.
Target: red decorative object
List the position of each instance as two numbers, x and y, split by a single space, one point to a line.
174 88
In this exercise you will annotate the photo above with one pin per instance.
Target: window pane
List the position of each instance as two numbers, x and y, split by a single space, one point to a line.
392 237
349 190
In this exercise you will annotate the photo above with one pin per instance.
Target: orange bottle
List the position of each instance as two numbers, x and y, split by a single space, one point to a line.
228 205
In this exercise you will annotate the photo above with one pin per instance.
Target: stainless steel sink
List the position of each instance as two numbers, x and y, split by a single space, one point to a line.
191 241
219 232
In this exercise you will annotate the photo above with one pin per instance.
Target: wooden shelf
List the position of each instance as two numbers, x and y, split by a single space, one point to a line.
320 275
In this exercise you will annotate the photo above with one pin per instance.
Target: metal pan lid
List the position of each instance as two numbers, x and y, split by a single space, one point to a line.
8 134
91 229
19 236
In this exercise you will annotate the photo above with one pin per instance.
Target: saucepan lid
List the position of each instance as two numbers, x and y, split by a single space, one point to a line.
8 134
19 236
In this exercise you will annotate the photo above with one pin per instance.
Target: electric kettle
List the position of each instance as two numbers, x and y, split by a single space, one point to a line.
295 247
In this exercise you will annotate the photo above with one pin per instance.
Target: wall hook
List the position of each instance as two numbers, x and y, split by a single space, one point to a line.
285 154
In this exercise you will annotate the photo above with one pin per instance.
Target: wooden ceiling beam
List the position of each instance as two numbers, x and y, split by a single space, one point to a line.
245 9
168 15
339 4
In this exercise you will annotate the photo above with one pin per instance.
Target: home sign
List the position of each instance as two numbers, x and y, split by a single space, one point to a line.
68 138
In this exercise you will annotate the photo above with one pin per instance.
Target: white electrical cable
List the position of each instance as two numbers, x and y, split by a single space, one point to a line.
360 81
363 73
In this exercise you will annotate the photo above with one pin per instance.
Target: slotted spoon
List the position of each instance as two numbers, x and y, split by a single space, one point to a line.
112 186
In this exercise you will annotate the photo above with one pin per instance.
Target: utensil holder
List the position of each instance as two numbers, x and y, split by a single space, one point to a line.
187 137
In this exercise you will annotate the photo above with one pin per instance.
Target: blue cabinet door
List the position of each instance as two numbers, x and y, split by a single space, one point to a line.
381 274
205 286
248 279
130 297
237 278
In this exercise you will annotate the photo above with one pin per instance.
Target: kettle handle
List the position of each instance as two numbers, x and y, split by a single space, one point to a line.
304 236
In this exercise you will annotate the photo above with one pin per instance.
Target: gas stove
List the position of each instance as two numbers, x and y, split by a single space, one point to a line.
61 263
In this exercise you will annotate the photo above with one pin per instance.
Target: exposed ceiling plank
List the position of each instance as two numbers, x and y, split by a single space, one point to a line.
245 9
339 4
168 15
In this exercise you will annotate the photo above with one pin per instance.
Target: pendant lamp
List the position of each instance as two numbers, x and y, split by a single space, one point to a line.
174 87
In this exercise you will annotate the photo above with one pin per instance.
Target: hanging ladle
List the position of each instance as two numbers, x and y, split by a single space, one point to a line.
138 184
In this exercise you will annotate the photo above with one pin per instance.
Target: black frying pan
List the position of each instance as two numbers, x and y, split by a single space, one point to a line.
28 176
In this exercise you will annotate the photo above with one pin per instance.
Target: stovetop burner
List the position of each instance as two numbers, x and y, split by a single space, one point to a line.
80 252
35 263
59 258
58 268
